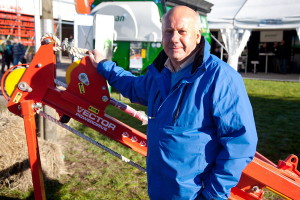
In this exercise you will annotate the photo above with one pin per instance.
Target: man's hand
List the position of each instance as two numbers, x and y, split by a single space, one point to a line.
96 57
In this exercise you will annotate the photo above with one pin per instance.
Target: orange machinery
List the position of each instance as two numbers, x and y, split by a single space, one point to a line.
85 100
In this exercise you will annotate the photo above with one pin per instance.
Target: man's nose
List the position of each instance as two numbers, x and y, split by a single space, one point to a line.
175 37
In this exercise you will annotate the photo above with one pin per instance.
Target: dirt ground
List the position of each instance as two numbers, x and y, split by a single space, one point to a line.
52 154
65 144
14 164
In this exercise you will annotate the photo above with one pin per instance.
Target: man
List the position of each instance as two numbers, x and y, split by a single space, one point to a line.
201 132
283 57
18 51
7 56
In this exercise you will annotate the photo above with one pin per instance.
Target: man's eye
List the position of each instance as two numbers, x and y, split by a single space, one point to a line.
181 32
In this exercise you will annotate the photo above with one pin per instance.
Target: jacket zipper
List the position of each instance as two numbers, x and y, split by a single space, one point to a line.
154 103
180 103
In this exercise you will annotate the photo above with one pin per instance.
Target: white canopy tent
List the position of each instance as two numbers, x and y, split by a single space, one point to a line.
236 19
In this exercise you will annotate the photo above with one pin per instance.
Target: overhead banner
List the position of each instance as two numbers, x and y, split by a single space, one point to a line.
271 36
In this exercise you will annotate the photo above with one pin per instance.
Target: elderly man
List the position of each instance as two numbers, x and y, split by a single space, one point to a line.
201 132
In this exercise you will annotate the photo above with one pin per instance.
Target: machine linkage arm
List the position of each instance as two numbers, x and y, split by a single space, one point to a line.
84 100
282 179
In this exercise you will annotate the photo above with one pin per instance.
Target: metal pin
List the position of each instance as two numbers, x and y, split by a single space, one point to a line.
255 189
105 98
23 86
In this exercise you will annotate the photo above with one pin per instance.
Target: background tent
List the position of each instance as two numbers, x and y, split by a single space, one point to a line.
236 19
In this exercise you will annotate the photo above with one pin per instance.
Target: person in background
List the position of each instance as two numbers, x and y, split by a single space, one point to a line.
263 49
201 132
29 55
217 51
283 57
18 51
2 46
275 59
71 43
7 56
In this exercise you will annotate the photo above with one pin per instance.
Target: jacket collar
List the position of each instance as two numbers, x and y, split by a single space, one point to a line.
201 55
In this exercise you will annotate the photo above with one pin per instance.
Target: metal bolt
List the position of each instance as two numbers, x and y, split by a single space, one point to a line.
255 189
39 65
37 106
105 98
125 134
23 86
134 139
103 87
143 143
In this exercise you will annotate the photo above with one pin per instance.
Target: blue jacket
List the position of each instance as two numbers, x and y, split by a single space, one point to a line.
18 49
201 133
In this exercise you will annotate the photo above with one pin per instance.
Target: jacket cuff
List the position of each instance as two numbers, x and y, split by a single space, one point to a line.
100 65
102 61
208 196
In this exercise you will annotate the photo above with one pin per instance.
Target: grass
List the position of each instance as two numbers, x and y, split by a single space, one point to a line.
95 174
99 175
276 107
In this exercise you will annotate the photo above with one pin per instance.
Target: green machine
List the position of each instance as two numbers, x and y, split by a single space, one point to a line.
137 31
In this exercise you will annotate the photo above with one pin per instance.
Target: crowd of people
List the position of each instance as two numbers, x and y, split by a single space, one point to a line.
278 56
279 59
12 53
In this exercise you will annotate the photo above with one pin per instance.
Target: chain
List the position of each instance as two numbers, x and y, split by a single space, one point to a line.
60 83
66 46
48 117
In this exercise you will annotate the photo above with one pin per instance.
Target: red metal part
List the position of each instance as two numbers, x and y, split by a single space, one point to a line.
33 149
129 110
283 179
85 100
83 6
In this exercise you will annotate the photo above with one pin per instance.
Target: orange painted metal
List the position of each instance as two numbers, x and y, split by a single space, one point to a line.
260 174
39 77
83 6
84 100
33 149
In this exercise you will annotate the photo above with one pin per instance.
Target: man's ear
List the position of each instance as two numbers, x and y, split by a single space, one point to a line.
198 37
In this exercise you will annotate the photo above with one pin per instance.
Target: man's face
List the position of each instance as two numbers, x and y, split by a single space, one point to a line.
179 37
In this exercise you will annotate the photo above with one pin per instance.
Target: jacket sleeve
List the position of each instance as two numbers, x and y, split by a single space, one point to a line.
129 85
233 115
